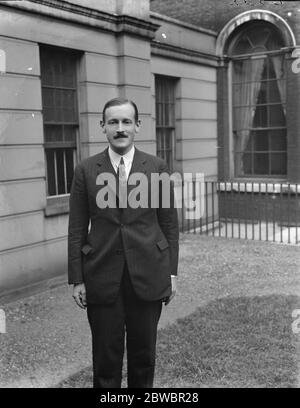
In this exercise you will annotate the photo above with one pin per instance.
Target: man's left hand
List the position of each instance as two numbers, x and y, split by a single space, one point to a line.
174 289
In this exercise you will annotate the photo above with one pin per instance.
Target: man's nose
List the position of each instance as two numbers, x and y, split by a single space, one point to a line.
120 127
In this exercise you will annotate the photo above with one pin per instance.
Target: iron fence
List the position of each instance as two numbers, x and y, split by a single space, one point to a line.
245 210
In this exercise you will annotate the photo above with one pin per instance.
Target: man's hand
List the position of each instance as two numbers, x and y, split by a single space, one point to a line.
79 295
174 289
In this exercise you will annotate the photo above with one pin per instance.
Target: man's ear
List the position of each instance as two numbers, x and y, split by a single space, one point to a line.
137 125
102 124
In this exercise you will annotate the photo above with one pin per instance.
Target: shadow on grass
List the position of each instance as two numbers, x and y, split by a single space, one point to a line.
230 342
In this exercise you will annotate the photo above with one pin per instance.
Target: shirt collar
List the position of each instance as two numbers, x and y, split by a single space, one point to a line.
115 157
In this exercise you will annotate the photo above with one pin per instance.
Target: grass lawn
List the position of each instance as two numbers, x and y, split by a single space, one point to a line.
234 325
231 342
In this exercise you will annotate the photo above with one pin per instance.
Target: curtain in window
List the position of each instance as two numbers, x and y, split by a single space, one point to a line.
248 74
278 64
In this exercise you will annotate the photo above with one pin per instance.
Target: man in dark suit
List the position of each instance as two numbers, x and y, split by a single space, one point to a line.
124 265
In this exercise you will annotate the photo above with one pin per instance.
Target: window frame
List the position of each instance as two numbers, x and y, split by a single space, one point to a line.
232 152
162 127
59 204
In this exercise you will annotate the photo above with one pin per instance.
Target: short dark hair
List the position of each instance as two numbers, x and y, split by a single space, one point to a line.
119 102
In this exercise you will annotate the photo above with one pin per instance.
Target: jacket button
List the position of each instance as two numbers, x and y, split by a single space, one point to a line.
122 225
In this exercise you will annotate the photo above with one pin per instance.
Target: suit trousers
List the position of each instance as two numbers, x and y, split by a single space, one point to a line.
109 323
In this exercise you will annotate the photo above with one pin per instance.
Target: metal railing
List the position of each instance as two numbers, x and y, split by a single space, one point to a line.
245 210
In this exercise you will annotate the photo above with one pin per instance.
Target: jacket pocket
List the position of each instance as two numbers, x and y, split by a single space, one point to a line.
86 249
163 244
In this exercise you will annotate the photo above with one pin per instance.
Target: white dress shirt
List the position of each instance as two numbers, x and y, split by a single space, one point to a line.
115 159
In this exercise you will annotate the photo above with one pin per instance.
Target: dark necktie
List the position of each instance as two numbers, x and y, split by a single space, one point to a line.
122 184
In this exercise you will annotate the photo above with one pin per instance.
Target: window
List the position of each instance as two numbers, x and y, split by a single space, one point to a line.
60 115
165 118
258 102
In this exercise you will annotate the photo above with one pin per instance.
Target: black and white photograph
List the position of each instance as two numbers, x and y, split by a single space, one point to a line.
149 197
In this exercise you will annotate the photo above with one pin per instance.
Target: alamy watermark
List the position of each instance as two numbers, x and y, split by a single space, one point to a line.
164 190
2 62
296 322
296 63
2 321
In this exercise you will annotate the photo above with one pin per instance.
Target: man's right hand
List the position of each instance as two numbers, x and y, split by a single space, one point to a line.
79 294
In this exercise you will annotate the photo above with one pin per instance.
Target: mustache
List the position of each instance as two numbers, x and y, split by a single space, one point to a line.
120 135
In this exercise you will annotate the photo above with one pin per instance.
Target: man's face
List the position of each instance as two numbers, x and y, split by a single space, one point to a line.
120 127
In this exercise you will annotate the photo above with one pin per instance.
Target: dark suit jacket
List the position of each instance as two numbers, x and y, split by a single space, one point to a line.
146 238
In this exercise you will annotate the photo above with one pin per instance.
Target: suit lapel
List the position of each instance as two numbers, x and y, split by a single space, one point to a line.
138 166
104 162
104 166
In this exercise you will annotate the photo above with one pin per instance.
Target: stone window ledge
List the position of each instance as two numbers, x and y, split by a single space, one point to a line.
260 187
57 205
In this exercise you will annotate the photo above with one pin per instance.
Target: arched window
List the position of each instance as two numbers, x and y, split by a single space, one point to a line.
258 101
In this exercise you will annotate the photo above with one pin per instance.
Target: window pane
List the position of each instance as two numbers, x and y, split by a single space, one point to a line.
238 69
241 141
69 167
271 74
47 68
278 140
278 163
70 133
261 116
60 168
165 117
58 94
247 163
53 133
158 114
169 159
274 95
243 164
277 117
50 172
262 97
169 139
258 37
68 73
60 171
242 118
69 106
58 67
60 134
48 105
261 163
261 141
48 97
165 144
159 139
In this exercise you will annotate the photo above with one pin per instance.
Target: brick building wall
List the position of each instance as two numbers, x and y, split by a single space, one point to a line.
214 14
